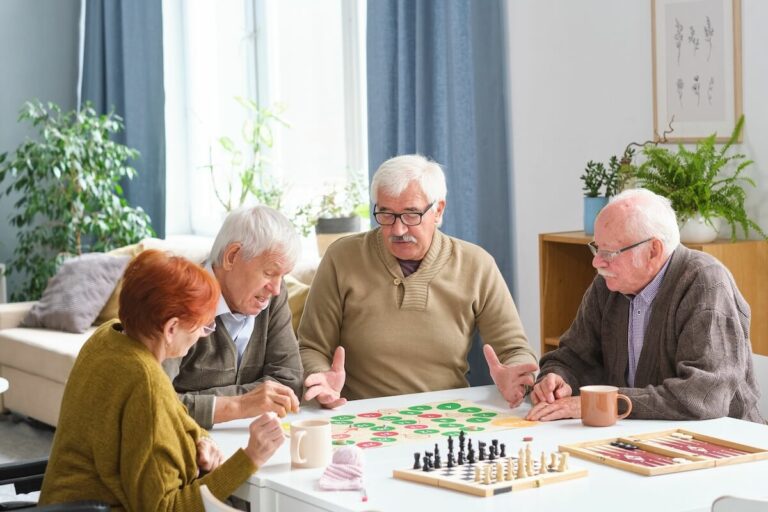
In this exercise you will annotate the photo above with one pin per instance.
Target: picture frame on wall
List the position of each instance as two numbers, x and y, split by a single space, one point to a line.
696 68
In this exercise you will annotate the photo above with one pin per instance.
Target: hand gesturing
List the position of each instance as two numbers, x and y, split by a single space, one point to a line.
511 380
326 386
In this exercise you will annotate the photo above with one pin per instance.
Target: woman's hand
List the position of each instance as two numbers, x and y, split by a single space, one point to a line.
266 437
209 457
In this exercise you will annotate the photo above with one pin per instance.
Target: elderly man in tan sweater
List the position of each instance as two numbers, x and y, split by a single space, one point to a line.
392 311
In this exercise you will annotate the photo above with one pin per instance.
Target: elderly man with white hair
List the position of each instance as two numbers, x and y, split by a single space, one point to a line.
665 324
393 310
248 362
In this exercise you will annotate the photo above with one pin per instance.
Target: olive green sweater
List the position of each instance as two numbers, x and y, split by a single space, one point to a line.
124 438
407 334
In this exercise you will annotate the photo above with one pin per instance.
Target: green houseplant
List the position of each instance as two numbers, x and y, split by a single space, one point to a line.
600 183
704 183
70 199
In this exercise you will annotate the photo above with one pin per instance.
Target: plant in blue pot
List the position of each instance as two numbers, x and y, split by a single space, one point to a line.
595 199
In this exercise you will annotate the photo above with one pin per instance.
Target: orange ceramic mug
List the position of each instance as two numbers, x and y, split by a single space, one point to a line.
600 405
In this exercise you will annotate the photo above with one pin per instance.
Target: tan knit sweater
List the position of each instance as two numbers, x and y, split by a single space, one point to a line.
407 335
125 439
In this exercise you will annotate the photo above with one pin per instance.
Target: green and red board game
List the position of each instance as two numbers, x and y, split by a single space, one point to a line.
420 422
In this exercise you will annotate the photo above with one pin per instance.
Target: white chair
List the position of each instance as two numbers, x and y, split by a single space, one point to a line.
736 504
211 503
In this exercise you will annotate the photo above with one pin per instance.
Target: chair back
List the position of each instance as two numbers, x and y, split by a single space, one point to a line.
211 503
737 504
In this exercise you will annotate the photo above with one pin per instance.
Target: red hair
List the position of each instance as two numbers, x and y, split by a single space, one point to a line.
158 287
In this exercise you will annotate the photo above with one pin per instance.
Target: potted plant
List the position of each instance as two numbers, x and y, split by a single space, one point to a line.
705 184
336 213
70 199
600 183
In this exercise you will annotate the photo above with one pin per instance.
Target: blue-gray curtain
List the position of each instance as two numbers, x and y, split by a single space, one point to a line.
436 86
123 69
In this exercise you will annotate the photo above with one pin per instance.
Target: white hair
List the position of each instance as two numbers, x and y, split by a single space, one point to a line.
650 215
393 177
257 229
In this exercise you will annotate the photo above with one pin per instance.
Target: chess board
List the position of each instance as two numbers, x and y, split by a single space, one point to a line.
669 451
502 476
420 422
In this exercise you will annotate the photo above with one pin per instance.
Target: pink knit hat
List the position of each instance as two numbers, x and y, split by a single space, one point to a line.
345 472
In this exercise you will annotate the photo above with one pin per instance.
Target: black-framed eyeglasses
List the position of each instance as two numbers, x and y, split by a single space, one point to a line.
611 255
407 218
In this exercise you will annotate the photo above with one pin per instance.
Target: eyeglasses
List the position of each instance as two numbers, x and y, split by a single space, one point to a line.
407 218
609 256
209 329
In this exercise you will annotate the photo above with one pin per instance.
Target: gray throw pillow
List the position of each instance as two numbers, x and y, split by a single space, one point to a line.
75 295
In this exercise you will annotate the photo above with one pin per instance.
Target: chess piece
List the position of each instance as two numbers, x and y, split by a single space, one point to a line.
425 464
521 464
460 461
499 472
477 473
429 459
487 474
437 460
510 469
563 462
491 454
461 440
450 444
471 457
553 461
503 453
481 447
416 458
495 444
543 463
450 460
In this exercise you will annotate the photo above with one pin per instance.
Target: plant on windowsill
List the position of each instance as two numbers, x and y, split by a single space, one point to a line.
246 173
70 199
335 213
705 184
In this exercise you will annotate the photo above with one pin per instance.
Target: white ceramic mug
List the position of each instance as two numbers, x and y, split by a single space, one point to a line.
311 443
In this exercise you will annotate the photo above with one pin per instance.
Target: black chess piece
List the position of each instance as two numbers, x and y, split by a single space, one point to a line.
416 460
450 460
481 447
503 453
471 457
425 465
495 444
450 444
491 454
437 450
460 462
469 446
429 459
437 460
461 440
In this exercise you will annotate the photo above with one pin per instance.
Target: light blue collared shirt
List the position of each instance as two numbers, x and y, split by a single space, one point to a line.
238 325
640 307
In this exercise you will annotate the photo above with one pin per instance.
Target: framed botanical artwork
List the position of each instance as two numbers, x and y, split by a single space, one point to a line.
696 68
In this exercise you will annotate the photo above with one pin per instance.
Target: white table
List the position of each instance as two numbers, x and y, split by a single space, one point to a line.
276 487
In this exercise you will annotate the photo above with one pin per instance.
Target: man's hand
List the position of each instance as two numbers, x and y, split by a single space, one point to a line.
568 407
268 396
511 380
326 386
266 436
208 455
550 388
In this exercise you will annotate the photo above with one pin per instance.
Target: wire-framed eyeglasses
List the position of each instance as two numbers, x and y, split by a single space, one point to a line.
407 218
611 255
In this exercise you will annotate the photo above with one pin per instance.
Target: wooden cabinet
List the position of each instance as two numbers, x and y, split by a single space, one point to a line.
565 266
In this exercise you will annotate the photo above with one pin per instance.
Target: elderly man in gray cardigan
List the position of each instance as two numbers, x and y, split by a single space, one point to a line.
248 363
665 324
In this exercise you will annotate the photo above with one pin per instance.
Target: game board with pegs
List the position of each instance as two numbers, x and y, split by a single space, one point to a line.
420 422
488 472
669 451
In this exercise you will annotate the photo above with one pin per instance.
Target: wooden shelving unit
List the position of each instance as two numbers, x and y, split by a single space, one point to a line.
565 266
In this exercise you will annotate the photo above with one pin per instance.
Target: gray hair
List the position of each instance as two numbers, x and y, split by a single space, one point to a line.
257 229
650 215
393 177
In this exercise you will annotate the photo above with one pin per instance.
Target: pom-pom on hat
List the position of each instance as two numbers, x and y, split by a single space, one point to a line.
345 472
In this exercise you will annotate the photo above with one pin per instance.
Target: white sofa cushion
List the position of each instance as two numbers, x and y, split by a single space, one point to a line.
43 352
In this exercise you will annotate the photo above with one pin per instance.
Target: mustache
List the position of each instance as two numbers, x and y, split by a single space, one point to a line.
605 273
403 238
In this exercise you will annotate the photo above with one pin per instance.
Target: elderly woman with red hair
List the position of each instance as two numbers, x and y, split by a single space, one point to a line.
123 436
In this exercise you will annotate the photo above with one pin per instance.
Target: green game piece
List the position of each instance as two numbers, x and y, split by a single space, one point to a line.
341 422
451 425
453 433
470 409
364 425
343 417
427 431
410 413
342 442
485 414
405 422
477 420
389 418
449 406
383 428
420 407
384 439
444 420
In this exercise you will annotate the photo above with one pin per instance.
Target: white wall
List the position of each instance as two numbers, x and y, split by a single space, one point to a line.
38 59
581 89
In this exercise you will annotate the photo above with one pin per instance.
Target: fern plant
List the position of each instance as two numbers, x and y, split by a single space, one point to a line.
699 181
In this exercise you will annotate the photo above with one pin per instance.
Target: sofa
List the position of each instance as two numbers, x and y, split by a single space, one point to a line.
37 361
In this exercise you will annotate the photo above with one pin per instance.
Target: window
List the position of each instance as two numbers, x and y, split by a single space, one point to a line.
307 57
